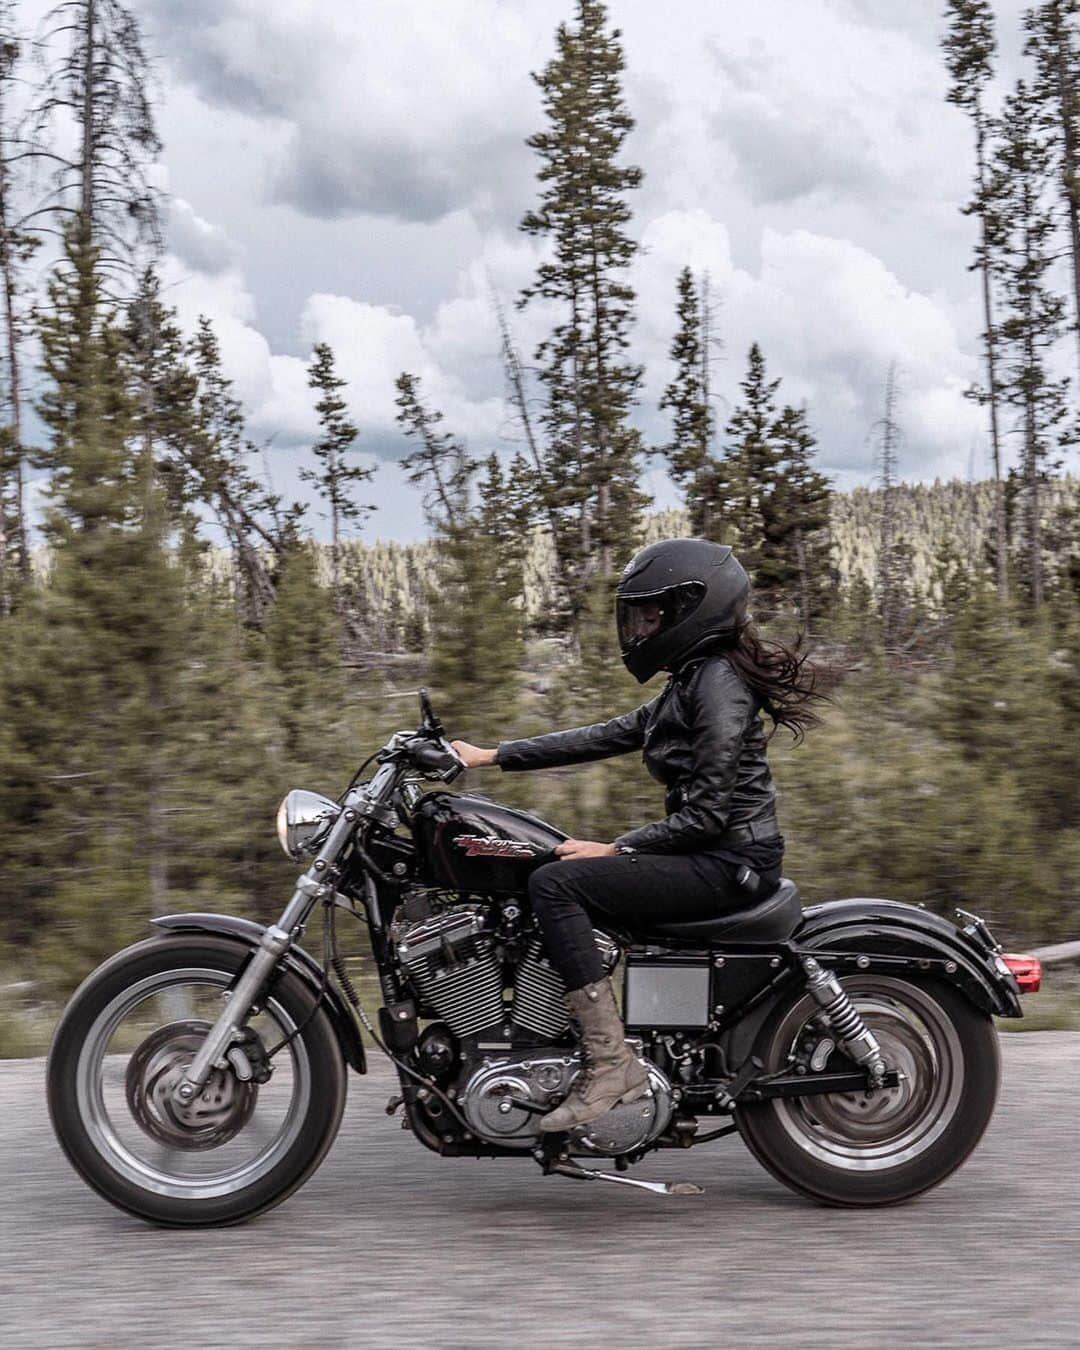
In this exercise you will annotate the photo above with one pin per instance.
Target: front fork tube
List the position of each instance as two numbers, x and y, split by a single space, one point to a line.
274 943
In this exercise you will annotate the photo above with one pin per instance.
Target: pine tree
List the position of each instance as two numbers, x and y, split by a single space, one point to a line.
591 454
969 48
215 466
336 478
439 465
302 643
746 500
101 84
164 388
689 452
476 604
1033 313
112 628
890 555
533 477
802 517
1053 30
85 405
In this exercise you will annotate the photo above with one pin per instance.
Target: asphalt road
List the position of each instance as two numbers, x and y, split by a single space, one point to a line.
389 1245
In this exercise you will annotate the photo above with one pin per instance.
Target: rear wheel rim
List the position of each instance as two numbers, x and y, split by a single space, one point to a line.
247 1154
889 1127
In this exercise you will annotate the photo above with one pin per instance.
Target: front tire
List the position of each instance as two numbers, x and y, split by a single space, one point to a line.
887 1146
138 1019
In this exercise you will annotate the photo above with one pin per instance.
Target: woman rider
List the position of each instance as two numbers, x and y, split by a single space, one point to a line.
681 606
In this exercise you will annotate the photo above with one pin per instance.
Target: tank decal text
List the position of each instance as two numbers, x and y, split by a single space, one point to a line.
479 846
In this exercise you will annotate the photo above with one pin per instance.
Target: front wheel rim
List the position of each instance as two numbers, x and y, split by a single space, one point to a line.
888 1127
106 1130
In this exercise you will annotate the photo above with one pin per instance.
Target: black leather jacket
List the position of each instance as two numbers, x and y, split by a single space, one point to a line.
702 738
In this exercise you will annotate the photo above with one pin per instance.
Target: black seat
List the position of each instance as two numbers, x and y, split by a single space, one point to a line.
771 920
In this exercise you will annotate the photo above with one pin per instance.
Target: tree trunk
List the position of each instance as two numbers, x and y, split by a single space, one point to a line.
7 279
804 578
603 470
88 137
335 533
991 368
1031 431
1071 152
512 367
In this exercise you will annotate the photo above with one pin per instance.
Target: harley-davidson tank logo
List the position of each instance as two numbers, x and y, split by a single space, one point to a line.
479 846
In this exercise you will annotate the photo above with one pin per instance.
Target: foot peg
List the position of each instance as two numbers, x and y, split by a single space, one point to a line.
569 1169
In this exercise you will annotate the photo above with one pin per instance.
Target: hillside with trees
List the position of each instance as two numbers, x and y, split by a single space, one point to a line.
177 648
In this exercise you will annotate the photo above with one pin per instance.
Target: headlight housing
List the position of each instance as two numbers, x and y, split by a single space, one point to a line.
304 820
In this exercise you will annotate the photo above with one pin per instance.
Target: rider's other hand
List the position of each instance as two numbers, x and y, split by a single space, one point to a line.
471 755
584 848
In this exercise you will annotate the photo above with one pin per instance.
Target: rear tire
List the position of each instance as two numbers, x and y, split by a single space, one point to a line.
881 1148
119 1158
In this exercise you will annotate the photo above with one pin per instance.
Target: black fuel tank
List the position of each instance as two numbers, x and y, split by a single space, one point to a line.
469 843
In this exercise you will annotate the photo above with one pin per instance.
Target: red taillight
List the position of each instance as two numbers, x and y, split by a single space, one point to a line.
1027 969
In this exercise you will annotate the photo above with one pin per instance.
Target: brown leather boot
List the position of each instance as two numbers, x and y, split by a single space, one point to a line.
611 1072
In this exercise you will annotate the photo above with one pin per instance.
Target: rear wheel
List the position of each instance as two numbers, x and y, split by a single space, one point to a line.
883 1146
241 1147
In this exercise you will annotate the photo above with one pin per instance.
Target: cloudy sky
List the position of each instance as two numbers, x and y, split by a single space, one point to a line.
354 171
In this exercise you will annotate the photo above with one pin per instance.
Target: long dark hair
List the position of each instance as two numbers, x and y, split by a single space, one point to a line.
781 676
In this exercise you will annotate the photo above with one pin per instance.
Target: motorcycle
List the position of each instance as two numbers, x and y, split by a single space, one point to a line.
199 1077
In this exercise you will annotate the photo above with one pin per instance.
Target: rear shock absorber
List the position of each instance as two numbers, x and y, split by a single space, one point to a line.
844 1018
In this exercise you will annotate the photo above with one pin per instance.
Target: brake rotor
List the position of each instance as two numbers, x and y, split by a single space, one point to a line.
217 1114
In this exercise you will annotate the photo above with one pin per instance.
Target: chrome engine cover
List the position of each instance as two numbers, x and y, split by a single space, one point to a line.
543 1078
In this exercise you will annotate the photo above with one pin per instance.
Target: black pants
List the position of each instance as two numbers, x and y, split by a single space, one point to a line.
636 891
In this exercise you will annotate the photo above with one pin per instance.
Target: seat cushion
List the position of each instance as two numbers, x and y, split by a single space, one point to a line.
771 920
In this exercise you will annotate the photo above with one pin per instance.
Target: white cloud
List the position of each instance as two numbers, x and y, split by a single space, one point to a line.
196 242
405 108
830 318
368 166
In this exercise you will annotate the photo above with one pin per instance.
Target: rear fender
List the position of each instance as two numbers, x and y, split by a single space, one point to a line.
299 962
891 928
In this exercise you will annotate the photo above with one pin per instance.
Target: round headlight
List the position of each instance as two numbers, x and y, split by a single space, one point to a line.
304 820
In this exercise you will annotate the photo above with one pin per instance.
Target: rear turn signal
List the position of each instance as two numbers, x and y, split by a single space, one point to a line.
1027 969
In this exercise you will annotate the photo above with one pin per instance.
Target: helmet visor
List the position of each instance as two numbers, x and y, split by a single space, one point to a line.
640 617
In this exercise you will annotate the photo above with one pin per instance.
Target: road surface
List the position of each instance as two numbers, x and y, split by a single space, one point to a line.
389 1245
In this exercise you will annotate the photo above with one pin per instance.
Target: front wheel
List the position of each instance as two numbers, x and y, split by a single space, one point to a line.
883 1146
243 1145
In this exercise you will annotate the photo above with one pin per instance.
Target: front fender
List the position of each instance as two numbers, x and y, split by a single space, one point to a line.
892 928
295 960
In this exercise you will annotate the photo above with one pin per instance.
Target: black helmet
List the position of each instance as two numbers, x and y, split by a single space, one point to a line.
674 597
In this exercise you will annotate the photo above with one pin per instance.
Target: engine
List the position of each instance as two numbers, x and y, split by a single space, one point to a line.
539 991
496 1098
458 969
453 963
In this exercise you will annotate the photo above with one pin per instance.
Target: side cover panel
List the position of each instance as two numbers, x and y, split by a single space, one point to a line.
300 962
896 929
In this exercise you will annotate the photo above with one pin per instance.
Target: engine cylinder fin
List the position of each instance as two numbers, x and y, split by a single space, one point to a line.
539 992
453 967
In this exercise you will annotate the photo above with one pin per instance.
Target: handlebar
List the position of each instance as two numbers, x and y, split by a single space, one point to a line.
428 720
436 756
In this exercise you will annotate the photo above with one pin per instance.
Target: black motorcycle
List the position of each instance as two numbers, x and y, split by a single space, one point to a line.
199 1077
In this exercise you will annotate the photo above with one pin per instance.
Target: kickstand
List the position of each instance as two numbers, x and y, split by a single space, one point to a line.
569 1169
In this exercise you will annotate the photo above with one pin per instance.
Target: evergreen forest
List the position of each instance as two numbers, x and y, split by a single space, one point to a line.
180 644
